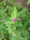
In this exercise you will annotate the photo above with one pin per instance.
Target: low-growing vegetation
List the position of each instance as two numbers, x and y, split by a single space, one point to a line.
14 21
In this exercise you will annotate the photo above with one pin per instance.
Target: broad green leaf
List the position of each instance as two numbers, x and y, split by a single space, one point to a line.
11 1
9 30
14 12
20 25
16 24
25 34
28 2
4 38
2 11
13 38
8 23
21 38
1 34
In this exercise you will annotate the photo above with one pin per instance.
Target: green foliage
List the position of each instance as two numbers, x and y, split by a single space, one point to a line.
28 2
14 30
14 13
11 1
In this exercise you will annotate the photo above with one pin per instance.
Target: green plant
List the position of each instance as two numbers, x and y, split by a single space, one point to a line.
14 22
28 2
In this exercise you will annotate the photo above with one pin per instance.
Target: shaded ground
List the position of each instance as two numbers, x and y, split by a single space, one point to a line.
24 3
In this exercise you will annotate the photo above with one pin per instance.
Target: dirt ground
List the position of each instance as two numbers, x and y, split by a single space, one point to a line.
24 3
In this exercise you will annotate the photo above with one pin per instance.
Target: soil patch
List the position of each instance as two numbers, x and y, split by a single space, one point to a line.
24 3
